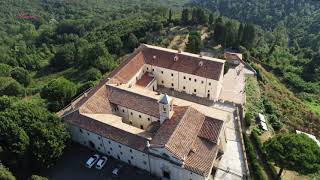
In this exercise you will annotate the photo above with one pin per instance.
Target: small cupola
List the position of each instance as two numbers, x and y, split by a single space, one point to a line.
165 107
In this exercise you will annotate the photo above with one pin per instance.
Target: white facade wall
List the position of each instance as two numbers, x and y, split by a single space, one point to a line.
84 137
136 158
111 148
135 118
192 84
159 165
128 155
167 77
188 83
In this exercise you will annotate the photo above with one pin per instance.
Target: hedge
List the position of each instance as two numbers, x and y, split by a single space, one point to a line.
256 140
254 165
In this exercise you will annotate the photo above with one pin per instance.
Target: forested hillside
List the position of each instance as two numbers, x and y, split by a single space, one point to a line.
288 44
53 50
50 51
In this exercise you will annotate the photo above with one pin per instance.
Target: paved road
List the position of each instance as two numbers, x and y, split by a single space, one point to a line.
71 167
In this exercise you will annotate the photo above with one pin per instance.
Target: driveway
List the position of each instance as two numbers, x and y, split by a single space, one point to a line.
71 166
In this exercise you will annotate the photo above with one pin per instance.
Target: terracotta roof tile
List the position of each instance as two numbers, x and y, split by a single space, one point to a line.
184 63
201 159
178 133
107 131
128 68
134 101
145 80
210 129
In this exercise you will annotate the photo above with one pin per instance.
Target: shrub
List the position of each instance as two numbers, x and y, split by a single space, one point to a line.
93 74
259 145
58 92
21 75
254 165
36 177
5 174
5 70
10 87
248 117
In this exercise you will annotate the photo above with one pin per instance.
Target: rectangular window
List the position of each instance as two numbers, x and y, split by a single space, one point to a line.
172 74
162 82
161 72
121 153
148 119
195 80
109 142
184 87
209 83
144 162
189 79
81 131
141 127
119 146
172 84
139 116
131 113
122 110
184 77
201 82
194 90
131 150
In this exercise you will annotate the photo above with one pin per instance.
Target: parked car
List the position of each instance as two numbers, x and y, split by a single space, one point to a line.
116 171
101 162
92 160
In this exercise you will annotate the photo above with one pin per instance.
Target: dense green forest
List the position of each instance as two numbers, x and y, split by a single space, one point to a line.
51 51
289 42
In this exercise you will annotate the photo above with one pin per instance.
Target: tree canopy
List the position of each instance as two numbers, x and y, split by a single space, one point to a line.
295 152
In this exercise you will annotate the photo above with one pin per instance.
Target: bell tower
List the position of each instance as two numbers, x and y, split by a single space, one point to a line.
165 108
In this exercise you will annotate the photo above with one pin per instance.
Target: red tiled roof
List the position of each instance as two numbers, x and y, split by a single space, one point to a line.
145 80
187 64
107 131
202 156
178 133
134 101
210 129
128 68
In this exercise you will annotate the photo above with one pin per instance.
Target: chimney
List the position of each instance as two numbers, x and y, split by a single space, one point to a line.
148 144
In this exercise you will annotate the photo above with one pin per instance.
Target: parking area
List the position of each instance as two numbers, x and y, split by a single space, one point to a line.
72 166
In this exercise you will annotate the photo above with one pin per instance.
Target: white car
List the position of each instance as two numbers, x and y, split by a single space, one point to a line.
102 161
92 160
